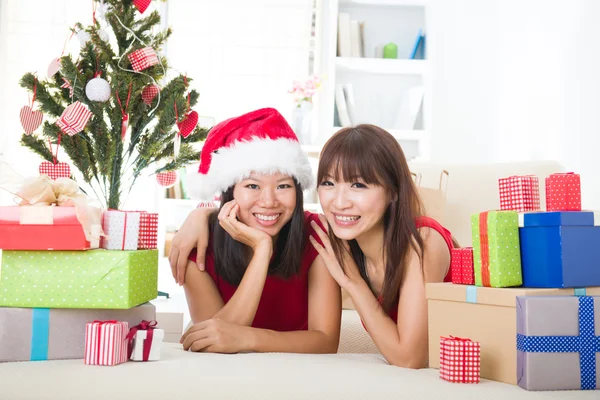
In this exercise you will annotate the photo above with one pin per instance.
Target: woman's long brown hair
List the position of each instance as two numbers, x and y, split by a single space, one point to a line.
374 155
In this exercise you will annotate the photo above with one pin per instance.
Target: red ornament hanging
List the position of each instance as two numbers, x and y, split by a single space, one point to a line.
143 58
166 179
141 5
125 115
149 93
31 120
55 169
74 118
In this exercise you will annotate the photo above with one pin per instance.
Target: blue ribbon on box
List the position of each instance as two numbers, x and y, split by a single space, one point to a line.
586 343
40 329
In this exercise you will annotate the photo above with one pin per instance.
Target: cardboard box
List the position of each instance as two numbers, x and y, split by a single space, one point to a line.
172 324
558 343
484 315
54 334
560 249
109 279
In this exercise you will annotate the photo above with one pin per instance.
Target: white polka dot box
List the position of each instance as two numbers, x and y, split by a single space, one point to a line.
489 315
109 279
129 230
37 334
558 342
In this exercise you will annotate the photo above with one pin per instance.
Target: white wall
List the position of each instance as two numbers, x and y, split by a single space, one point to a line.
518 80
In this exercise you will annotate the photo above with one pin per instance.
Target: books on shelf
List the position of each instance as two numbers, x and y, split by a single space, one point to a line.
418 51
410 109
344 104
350 37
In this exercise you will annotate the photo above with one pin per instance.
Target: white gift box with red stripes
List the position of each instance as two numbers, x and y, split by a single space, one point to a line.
519 193
460 360
121 229
141 343
106 342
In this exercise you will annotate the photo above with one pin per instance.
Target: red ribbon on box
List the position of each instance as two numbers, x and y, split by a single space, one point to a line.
148 326
485 248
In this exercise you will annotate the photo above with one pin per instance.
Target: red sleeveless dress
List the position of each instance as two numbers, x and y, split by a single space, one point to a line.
283 305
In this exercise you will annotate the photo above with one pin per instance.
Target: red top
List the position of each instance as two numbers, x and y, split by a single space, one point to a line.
283 305
429 222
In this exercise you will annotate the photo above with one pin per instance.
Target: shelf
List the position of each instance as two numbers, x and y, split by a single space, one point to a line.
403 3
400 134
382 66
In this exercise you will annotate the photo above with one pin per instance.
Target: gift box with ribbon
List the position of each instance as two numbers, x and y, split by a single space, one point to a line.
485 315
560 249
519 193
558 342
459 360
144 341
563 192
148 235
121 229
462 266
105 342
496 249
37 334
51 215
108 279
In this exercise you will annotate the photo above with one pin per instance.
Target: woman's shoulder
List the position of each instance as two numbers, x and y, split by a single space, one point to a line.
424 221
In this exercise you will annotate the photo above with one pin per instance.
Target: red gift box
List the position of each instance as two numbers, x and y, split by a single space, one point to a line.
462 266
519 193
41 228
106 342
460 360
563 192
147 238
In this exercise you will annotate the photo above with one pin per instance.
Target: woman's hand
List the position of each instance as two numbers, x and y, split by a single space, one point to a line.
193 233
252 237
343 277
216 336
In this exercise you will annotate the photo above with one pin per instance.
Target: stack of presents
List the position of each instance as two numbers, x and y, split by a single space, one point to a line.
524 303
75 283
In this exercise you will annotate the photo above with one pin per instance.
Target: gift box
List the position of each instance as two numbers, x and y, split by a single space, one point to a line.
462 266
563 192
45 228
560 249
99 278
121 229
485 315
106 343
459 360
142 59
144 341
148 234
558 343
519 193
496 251
35 334
172 324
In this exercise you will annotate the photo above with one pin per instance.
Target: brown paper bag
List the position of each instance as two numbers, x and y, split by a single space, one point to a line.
434 200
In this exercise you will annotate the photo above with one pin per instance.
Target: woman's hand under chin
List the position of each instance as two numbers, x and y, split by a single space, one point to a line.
252 237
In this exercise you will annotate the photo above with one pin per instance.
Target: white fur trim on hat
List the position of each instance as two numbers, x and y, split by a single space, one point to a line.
235 163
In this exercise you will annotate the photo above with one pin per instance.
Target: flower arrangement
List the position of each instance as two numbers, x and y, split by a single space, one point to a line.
303 91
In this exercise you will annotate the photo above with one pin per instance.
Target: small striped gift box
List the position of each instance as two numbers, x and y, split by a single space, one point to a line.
106 342
143 58
74 118
460 360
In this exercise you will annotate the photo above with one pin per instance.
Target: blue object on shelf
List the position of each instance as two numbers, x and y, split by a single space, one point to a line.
418 51
560 249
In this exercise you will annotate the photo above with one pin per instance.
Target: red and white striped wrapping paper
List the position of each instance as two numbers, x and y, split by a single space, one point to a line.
143 58
74 118
460 360
105 342
462 266
519 193
148 231
563 192
30 119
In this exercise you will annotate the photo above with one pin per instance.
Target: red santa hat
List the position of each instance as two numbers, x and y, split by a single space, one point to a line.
260 141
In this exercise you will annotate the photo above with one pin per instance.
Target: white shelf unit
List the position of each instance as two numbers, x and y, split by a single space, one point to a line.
380 87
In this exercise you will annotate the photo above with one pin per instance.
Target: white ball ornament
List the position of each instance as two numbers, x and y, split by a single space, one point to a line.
97 89
83 37
103 35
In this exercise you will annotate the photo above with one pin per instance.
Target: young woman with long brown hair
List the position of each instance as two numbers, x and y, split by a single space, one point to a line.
380 247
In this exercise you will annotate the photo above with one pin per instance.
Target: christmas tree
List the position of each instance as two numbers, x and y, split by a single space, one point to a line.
108 110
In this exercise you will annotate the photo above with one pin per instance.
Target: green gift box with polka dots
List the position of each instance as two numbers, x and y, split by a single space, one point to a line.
496 249
108 279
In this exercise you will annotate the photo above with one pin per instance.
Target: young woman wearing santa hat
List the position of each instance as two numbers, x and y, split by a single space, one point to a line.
380 247
267 289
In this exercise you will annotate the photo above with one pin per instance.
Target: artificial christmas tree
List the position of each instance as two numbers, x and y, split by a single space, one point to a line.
111 142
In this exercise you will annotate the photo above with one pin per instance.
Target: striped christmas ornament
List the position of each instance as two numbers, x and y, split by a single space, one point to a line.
67 85
143 58
166 179
55 171
141 5
149 93
105 342
54 67
74 119
30 119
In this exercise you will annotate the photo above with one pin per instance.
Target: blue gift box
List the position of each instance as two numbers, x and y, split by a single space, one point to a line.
560 249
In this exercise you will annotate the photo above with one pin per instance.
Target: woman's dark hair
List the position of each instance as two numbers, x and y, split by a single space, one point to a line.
374 155
232 257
